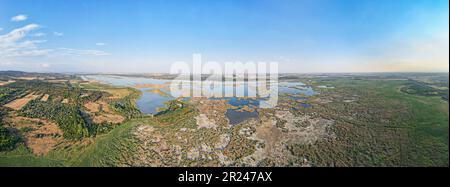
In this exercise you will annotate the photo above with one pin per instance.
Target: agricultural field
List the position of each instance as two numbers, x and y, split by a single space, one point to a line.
338 120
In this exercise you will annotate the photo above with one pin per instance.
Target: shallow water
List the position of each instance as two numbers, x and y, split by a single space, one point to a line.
302 90
297 97
305 105
122 80
325 86
238 102
149 102
237 117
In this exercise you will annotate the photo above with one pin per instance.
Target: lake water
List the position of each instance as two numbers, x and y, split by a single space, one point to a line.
295 88
295 97
149 102
305 105
236 117
122 80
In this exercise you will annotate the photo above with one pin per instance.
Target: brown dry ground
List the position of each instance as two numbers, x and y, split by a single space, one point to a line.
106 114
65 101
158 91
156 86
39 135
118 93
111 118
104 106
92 107
6 82
19 103
27 78
45 97
57 81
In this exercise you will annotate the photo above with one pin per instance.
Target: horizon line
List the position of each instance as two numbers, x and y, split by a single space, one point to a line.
136 73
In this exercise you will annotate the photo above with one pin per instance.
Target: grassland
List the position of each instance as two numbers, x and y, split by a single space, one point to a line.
383 127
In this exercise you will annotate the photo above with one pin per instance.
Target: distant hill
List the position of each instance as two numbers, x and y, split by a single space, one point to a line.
6 75
15 73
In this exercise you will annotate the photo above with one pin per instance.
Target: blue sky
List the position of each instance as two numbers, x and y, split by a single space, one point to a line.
147 36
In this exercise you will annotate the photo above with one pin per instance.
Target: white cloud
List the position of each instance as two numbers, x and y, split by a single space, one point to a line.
40 34
16 34
58 33
28 53
6 63
19 17
1 29
100 44
15 44
80 52
45 65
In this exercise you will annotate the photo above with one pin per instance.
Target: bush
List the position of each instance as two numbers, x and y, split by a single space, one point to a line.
7 139
68 117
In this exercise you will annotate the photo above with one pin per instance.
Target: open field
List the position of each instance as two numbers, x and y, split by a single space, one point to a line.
2 83
19 103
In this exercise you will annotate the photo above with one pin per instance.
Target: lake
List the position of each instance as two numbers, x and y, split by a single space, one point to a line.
149 102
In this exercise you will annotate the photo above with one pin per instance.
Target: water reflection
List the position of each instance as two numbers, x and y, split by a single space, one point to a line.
235 117
150 101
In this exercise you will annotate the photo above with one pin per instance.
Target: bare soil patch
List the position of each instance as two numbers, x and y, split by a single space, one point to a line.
27 78
45 97
19 103
40 135
2 83
65 101
92 107
118 93
158 91
204 122
156 86
111 118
